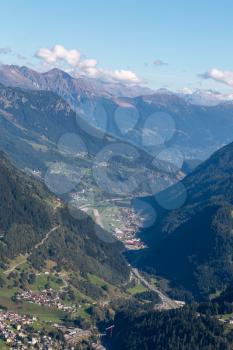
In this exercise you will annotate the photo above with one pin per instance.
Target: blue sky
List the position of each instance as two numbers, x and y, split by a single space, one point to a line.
192 37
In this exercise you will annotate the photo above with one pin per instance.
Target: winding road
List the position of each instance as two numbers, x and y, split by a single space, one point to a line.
27 255
45 237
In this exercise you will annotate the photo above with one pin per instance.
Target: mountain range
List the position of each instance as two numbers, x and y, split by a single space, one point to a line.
70 88
34 126
198 123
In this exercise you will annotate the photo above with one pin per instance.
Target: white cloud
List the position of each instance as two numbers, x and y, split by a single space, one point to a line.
124 75
222 76
88 63
59 53
92 72
73 62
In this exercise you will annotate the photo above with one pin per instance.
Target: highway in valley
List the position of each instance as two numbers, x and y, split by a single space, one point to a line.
166 303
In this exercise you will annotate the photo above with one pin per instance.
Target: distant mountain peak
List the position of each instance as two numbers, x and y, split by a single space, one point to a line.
82 86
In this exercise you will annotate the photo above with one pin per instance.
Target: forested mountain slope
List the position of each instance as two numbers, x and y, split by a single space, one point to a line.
171 330
193 245
28 212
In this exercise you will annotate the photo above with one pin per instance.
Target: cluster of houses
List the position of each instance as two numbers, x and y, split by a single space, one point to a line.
11 325
14 332
130 223
47 297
